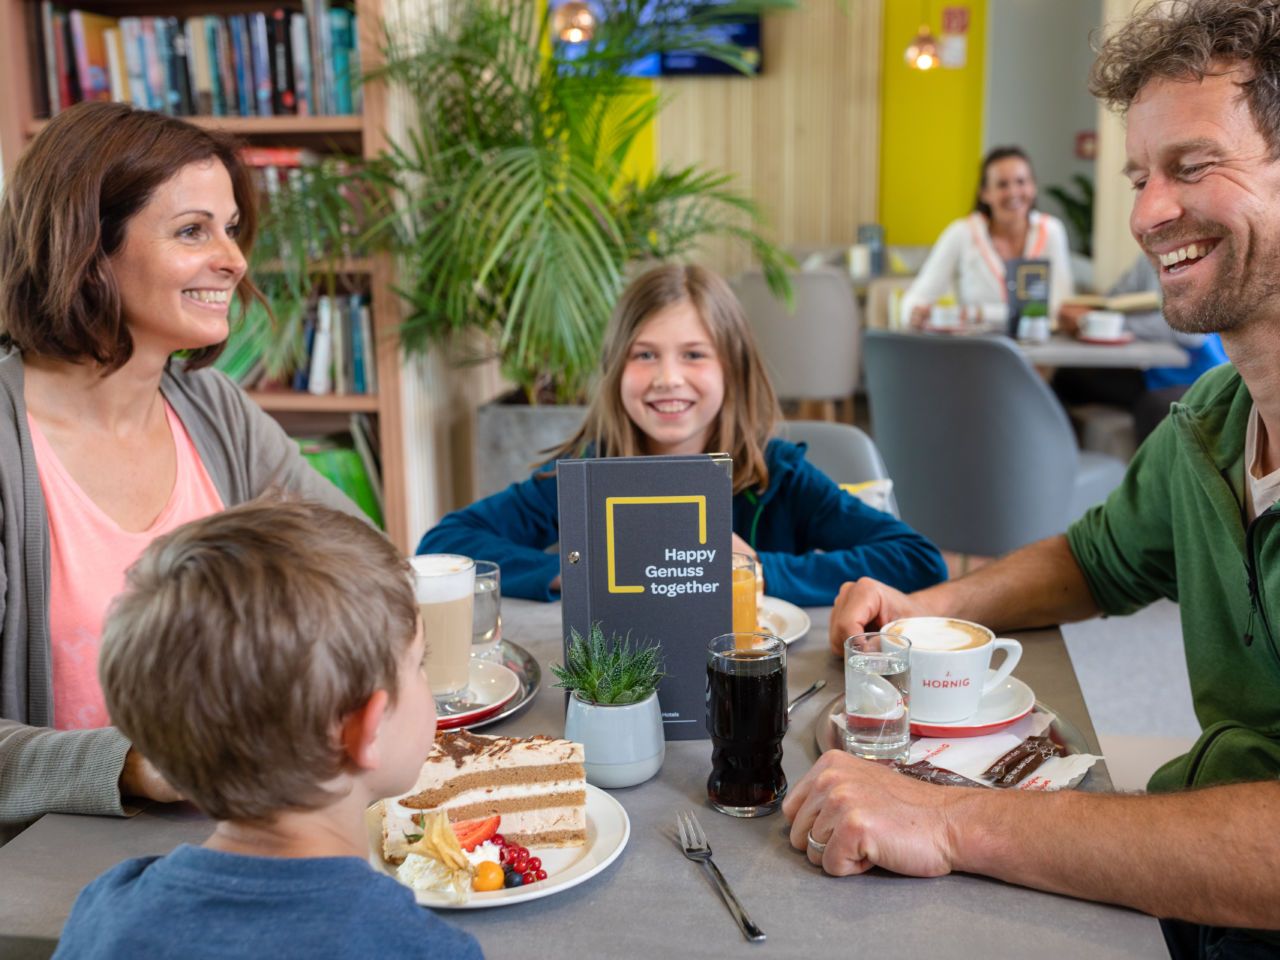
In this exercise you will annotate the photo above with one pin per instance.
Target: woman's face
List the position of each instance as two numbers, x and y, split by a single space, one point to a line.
673 384
1009 190
179 264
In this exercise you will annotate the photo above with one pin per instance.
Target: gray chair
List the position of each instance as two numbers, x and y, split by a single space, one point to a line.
843 453
982 455
812 354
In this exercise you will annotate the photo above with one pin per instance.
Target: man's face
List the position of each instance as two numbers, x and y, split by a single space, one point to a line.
1207 202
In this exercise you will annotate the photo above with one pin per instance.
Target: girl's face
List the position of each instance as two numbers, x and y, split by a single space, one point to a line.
673 384
1009 190
179 265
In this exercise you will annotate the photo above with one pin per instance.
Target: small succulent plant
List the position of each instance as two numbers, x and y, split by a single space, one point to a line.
609 671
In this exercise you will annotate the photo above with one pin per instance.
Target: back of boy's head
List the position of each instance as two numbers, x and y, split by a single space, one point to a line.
240 642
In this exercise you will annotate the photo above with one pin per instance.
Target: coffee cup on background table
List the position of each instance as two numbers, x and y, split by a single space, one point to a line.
949 662
1102 325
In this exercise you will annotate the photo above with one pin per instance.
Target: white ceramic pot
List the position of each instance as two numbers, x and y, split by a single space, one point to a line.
623 745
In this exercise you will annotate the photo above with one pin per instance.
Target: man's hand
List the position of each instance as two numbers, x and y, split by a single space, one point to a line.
1069 316
870 816
140 779
865 605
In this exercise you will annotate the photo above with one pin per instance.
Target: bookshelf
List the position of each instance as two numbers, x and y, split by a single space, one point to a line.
360 134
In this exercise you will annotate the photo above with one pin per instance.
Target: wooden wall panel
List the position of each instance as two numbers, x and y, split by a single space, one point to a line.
803 139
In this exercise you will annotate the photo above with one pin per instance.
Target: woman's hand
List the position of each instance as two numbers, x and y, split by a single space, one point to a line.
1069 316
920 315
142 780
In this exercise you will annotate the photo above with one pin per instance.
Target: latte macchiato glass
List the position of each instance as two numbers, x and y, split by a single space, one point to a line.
445 586
949 665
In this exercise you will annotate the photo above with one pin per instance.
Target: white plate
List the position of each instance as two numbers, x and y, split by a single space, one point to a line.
491 686
608 829
1010 701
784 620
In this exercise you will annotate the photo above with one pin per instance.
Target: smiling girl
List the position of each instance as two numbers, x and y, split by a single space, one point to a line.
123 237
680 374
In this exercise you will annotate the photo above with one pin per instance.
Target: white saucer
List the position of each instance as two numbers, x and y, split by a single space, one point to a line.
491 685
1006 704
1126 337
784 620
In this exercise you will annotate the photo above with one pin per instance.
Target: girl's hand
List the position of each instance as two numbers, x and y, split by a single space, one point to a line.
741 546
920 315
140 779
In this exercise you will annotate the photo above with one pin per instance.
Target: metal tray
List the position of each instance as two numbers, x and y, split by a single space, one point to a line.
1062 732
520 662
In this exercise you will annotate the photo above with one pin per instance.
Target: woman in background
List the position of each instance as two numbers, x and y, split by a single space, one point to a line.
968 258
681 375
123 237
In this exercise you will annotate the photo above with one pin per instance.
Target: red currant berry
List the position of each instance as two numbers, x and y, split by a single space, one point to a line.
524 851
535 864
498 840
529 877
540 874
520 864
504 854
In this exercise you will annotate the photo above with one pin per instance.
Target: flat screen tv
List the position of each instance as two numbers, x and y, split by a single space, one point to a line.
742 31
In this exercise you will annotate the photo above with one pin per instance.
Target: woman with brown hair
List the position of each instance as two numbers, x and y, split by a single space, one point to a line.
968 258
681 374
123 237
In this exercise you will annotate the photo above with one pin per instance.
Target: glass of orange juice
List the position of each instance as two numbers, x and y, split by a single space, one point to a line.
744 593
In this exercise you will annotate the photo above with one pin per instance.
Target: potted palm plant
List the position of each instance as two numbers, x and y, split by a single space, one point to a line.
613 707
515 209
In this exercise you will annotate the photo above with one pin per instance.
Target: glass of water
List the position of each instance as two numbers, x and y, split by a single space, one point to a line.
877 678
486 624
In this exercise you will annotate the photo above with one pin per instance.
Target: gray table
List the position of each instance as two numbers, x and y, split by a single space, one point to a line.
1063 351
651 901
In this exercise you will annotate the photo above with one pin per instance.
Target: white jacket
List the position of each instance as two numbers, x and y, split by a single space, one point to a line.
964 262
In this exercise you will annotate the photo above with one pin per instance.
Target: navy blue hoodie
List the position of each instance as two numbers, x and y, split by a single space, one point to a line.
811 535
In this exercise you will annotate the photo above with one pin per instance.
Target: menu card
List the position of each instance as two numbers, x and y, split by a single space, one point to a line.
645 545
1027 285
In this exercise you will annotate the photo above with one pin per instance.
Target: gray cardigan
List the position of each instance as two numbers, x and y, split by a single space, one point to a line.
245 453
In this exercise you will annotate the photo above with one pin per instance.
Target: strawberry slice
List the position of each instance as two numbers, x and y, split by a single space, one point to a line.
472 833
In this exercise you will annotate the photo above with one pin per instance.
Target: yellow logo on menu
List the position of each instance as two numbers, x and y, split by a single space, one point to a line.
611 502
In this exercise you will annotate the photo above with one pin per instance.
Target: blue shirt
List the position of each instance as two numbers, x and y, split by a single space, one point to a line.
1206 356
811 536
198 903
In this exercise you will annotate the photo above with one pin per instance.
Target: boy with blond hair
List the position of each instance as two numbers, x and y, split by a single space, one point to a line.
268 661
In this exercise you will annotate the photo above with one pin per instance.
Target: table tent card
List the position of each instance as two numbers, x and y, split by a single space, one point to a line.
1026 283
645 545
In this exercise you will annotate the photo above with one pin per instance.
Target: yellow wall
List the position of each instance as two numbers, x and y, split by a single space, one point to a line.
931 126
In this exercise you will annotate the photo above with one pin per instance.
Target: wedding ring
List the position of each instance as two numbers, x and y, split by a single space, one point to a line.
815 846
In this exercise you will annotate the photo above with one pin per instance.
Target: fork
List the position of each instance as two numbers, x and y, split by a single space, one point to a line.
694 844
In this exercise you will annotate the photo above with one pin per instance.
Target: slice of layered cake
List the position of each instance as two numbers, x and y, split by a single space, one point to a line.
537 786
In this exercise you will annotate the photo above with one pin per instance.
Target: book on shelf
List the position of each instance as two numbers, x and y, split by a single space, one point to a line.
337 459
1140 302
265 63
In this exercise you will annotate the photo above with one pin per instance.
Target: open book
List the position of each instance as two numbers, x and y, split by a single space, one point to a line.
1123 302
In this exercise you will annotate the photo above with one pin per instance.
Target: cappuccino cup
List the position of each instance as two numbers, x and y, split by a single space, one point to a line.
1102 325
949 662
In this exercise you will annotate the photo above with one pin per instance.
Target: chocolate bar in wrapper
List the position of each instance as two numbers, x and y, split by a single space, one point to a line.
923 770
1021 761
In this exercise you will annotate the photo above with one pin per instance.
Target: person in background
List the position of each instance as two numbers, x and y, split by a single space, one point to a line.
681 375
968 259
1193 521
218 619
123 236
1145 393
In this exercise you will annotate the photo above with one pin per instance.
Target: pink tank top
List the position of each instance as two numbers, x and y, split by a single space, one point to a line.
88 557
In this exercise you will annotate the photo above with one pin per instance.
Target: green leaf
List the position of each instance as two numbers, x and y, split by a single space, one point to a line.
609 671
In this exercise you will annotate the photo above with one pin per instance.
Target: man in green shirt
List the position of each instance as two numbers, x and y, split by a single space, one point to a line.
1194 521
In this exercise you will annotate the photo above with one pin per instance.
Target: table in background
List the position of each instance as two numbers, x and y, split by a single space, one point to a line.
652 901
